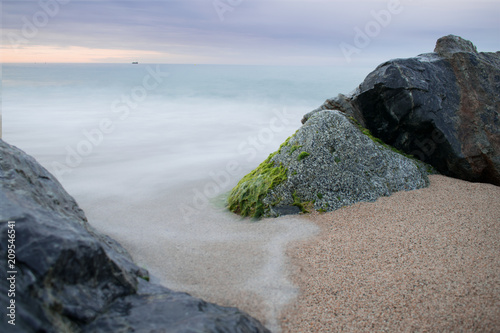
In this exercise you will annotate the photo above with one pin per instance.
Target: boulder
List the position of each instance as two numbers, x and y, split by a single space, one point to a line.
441 107
70 278
330 162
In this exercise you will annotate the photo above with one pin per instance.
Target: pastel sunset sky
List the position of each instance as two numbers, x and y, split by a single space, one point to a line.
263 32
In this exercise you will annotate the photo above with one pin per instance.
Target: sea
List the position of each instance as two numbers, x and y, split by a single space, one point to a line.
150 152
123 129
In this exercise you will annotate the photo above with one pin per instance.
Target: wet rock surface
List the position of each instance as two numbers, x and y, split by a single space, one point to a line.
70 278
442 107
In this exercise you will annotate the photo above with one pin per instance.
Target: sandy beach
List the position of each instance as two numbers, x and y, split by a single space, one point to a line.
424 260
419 261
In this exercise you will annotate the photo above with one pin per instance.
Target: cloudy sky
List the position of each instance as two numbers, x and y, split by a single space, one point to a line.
289 32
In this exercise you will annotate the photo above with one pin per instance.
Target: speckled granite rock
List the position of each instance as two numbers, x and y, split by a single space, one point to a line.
327 164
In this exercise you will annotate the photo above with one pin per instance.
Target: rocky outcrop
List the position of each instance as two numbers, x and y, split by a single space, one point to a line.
330 162
70 278
441 107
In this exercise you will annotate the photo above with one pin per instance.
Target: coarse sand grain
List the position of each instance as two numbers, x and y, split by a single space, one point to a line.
418 261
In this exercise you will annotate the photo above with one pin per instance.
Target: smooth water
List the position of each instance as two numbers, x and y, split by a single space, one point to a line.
182 123
149 152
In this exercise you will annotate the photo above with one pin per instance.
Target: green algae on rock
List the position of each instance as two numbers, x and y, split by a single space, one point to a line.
247 197
331 155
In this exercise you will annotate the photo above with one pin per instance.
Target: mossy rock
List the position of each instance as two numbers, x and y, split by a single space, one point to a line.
246 198
302 155
330 162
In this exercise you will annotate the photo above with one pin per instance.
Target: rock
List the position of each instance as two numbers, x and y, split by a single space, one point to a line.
441 107
341 103
155 309
70 278
450 44
330 162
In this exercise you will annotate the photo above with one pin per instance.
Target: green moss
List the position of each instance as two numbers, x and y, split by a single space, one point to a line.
277 201
302 155
296 200
320 196
305 206
284 144
294 148
247 197
337 159
430 170
145 278
367 132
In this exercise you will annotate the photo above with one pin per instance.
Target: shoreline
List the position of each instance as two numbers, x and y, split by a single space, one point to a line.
264 267
215 255
424 260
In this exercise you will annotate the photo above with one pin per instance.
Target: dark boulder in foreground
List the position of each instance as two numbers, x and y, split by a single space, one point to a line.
330 162
70 278
441 107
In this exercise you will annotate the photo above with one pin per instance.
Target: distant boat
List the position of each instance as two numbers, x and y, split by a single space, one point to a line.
135 62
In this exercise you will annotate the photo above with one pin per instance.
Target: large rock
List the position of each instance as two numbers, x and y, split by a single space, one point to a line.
441 107
330 162
70 278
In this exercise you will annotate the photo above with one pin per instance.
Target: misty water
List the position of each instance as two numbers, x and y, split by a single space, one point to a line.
150 152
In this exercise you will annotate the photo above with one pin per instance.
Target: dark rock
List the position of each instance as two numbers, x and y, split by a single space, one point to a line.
330 162
450 44
161 310
441 107
286 210
70 278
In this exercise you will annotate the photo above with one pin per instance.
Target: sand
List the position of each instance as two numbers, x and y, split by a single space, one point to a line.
425 260
419 261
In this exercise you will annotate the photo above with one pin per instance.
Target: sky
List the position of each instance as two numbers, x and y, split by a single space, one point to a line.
247 32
